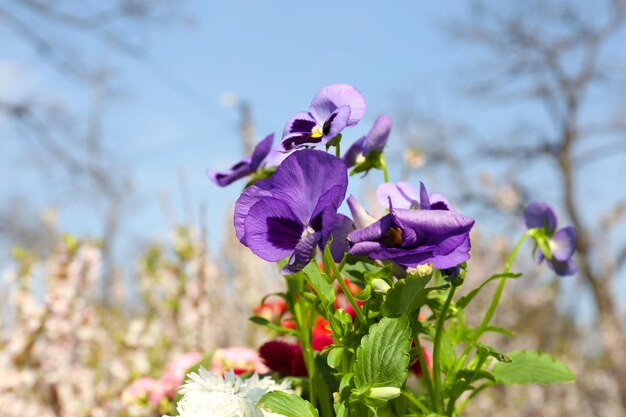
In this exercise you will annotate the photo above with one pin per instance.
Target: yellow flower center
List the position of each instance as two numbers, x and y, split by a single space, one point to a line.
317 132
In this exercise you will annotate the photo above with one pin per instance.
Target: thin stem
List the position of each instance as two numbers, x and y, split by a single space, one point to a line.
496 299
438 401
348 294
425 373
305 341
498 294
385 170
338 150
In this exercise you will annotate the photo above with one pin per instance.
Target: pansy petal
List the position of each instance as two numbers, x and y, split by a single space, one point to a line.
563 268
540 215
436 221
563 243
342 227
303 253
354 153
439 202
275 157
246 200
378 135
361 217
402 194
424 200
336 123
261 150
272 230
305 176
237 171
329 98
299 123
373 232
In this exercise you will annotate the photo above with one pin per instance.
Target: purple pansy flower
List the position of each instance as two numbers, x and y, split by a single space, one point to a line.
411 237
291 213
247 166
539 215
404 195
333 108
375 140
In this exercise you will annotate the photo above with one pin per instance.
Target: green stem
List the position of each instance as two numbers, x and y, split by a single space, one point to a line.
438 401
425 372
385 170
494 302
338 150
307 349
349 296
498 294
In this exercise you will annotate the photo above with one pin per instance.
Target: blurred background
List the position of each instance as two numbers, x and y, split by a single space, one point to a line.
117 253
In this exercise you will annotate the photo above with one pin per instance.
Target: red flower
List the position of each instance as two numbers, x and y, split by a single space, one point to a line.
284 358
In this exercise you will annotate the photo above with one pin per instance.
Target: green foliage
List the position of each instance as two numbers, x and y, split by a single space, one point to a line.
406 296
383 357
288 405
320 283
532 367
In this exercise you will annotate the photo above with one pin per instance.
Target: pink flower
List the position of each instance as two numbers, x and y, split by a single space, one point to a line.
175 373
139 390
239 359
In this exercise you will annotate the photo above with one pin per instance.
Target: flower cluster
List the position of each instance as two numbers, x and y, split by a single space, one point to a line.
358 315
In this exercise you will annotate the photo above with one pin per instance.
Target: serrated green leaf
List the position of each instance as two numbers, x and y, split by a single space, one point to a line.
288 405
383 356
320 283
532 367
406 296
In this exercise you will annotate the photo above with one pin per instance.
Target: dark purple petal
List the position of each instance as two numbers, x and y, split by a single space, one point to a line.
237 171
333 96
354 153
402 194
540 215
424 200
439 202
272 230
305 176
261 150
342 227
563 244
361 217
563 268
336 123
303 252
325 212
378 135
246 200
436 222
300 123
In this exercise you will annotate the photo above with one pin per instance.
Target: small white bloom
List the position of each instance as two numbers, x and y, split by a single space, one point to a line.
206 394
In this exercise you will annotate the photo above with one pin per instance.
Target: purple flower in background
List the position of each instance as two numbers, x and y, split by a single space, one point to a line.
562 242
420 231
404 195
291 213
247 166
375 140
333 108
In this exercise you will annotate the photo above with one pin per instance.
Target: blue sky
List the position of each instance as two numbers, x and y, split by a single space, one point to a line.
168 117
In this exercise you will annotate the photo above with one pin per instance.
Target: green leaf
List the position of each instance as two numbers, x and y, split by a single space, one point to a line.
288 405
261 321
465 300
320 283
487 350
532 367
334 357
383 356
406 296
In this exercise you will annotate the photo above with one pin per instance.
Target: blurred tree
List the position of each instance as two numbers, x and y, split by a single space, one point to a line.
74 38
559 54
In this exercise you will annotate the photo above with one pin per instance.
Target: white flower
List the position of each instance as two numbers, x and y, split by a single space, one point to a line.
209 395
